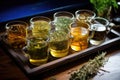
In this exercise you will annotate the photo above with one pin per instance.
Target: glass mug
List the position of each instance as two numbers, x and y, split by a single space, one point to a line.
98 30
84 15
39 26
79 36
59 42
16 34
37 50
63 19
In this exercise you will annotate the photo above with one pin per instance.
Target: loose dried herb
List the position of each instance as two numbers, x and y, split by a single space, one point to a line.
90 69
62 23
59 40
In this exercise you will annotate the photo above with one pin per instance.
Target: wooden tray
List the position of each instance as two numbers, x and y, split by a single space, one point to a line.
19 57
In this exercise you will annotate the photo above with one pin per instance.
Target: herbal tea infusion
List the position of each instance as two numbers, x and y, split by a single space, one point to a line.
40 26
16 34
59 43
79 34
37 49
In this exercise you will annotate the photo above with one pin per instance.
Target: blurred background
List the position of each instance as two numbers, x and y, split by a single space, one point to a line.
14 9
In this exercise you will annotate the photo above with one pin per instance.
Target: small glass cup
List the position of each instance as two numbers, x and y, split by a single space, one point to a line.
84 15
16 34
98 30
59 42
79 36
63 19
37 50
40 26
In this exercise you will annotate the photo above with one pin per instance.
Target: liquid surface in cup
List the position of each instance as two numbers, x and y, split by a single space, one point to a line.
97 34
59 44
79 39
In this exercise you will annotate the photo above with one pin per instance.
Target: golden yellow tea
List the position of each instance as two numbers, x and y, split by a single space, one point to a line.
41 28
59 43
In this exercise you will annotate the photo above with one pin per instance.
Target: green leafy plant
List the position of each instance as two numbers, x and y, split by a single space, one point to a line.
104 7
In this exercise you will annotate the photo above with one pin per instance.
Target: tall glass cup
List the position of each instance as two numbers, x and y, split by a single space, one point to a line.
16 34
98 30
59 42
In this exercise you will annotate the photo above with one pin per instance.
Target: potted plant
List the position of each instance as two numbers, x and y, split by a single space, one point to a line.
103 8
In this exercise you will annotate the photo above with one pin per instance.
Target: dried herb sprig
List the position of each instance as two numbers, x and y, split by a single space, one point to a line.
90 69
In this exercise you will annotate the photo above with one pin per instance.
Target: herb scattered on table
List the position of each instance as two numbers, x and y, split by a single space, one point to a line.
90 69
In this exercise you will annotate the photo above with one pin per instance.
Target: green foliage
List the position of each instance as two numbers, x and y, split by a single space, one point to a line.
102 5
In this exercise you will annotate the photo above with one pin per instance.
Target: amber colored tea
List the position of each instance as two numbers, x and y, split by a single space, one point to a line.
16 34
79 39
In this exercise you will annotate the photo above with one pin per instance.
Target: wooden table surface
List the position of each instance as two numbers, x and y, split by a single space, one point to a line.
10 71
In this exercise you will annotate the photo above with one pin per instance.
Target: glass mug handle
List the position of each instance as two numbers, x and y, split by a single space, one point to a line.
92 30
110 26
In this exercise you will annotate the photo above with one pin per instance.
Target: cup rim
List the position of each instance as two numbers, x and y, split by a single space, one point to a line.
16 22
86 10
61 12
107 22
37 18
79 25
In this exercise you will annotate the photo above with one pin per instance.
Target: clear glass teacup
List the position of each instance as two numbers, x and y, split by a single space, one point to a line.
98 30
84 15
63 19
59 42
16 34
